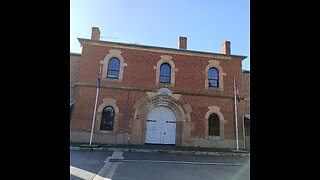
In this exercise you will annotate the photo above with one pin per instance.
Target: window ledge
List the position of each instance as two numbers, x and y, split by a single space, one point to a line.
216 138
106 132
111 79
214 88
166 85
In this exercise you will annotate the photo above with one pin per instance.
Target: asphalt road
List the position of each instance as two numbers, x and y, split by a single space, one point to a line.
145 166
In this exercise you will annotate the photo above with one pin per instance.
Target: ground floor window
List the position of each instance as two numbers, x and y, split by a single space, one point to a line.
214 125
107 119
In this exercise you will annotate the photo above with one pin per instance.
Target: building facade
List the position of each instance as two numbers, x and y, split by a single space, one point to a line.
246 108
157 95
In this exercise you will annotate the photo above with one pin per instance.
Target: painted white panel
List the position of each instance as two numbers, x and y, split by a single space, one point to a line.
161 126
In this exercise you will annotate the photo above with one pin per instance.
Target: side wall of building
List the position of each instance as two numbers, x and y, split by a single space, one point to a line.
74 72
246 107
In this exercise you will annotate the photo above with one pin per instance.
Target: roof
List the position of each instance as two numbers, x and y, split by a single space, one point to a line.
82 41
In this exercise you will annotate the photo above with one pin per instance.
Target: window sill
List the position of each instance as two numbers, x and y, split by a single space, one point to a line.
112 80
166 85
216 138
106 132
212 89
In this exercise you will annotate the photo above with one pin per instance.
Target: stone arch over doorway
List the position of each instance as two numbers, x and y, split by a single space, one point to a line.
144 106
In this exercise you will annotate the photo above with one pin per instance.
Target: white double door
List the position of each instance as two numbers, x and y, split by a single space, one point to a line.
161 126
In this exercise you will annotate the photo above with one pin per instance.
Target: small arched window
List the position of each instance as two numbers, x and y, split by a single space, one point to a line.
113 68
214 125
165 73
107 118
213 77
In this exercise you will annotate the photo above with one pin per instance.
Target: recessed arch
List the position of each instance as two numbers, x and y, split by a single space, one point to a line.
165 59
221 74
113 54
222 121
143 108
107 102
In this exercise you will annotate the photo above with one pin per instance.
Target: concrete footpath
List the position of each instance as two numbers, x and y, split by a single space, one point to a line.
159 149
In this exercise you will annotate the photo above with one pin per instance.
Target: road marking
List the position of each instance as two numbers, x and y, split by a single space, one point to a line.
109 168
115 155
178 162
80 172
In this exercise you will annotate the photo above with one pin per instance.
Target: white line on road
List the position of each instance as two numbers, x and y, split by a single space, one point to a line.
109 168
179 162
80 172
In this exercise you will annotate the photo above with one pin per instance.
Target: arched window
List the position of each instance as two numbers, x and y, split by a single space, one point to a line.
214 125
213 77
107 119
165 73
113 68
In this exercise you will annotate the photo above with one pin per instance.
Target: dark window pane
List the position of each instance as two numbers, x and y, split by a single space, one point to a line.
164 79
213 73
213 83
213 77
165 73
107 119
214 125
113 74
114 64
165 69
113 68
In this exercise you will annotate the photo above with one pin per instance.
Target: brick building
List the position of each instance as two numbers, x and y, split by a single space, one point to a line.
246 108
74 71
156 95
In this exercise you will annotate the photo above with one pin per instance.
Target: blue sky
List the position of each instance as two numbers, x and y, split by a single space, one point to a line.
206 23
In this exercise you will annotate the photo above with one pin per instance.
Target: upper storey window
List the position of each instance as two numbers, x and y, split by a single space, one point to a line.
165 73
113 68
213 77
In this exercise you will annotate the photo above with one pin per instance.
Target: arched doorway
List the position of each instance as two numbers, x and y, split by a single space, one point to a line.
161 126
181 129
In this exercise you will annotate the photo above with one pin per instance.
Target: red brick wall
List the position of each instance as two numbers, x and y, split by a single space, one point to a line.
200 106
246 91
140 73
74 71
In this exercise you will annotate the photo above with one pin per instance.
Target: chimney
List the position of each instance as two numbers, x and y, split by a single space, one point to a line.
182 43
226 47
95 35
